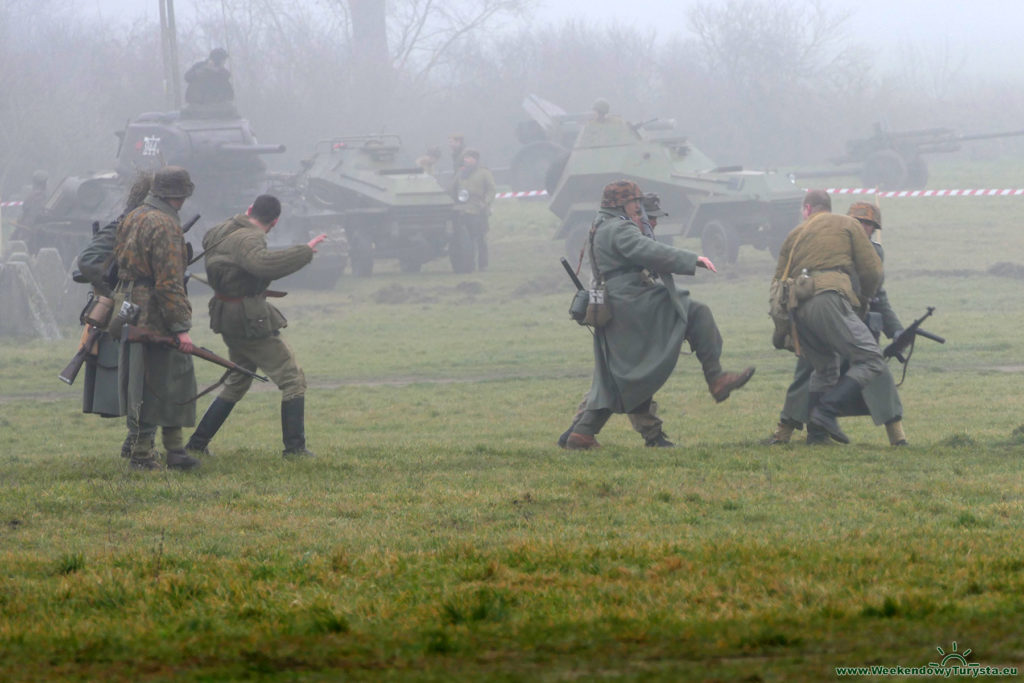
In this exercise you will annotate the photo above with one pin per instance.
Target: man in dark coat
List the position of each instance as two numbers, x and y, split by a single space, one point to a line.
844 272
879 398
636 352
209 81
157 384
240 267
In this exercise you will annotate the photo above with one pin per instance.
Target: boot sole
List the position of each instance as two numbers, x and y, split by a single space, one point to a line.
721 397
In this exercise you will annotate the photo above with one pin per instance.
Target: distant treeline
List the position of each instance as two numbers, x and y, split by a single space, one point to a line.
758 82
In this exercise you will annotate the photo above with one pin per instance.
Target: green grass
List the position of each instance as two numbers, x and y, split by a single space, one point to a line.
440 535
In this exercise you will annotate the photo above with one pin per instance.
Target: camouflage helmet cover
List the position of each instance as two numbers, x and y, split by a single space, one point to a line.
866 211
172 182
652 205
616 195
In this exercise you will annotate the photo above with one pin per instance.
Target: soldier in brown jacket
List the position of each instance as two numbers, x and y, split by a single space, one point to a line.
846 271
240 267
156 383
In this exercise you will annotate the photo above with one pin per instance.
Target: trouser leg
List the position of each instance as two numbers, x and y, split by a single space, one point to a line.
705 339
172 438
645 421
592 421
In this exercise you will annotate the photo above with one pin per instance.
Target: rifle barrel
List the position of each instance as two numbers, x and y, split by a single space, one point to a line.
930 335
572 274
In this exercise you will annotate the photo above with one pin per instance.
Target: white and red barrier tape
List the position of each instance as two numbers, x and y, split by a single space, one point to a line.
846 190
4 204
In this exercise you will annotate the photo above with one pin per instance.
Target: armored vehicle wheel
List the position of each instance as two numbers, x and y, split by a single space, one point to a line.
885 170
360 252
719 242
460 251
410 263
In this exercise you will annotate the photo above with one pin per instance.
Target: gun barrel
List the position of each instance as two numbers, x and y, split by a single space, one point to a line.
930 335
252 149
572 274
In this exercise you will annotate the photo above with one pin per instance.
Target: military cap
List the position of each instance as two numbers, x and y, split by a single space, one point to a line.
616 195
652 205
601 106
172 182
866 211
218 54
40 178
472 153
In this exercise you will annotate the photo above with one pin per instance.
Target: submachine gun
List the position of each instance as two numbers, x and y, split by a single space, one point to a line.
902 347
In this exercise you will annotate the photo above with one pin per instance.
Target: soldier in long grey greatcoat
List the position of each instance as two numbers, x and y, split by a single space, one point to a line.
636 352
157 384
240 267
879 397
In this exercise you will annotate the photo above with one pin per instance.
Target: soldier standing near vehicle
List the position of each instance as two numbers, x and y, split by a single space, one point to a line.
457 145
94 266
33 207
880 398
845 272
239 267
637 350
428 162
474 193
157 384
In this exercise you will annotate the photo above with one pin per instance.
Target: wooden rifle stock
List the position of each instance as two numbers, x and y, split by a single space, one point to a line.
132 334
68 374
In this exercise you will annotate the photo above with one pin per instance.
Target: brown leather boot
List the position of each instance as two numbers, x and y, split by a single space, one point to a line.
727 381
783 433
581 442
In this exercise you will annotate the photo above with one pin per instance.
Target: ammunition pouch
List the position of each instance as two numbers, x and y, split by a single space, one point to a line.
98 311
578 307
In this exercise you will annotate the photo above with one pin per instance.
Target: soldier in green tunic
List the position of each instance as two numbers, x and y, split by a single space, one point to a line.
879 399
844 271
474 193
240 267
636 352
157 384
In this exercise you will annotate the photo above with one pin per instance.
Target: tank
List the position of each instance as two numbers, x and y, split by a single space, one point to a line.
725 207
389 208
224 159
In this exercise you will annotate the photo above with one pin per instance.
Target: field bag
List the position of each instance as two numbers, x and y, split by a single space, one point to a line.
782 301
599 311
578 307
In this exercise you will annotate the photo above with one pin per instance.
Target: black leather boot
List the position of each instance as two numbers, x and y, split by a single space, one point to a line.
826 411
293 428
215 416
816 436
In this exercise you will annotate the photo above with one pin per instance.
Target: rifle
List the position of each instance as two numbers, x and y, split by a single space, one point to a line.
68 374
907 337
132 334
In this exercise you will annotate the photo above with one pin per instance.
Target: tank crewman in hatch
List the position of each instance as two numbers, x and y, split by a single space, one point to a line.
239 267
637 350
209 81
474 193
157 384
846 272
880 398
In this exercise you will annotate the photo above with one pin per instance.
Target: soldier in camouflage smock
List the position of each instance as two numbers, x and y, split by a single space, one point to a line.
240 267
157 384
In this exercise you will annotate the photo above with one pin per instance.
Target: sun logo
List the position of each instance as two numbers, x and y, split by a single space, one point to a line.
954 658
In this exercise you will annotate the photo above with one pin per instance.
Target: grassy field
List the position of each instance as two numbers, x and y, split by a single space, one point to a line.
441 535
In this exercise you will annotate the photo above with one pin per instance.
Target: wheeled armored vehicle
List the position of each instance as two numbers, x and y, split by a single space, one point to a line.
725 207
389 208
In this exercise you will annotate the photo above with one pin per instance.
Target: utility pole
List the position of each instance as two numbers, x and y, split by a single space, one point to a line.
169 48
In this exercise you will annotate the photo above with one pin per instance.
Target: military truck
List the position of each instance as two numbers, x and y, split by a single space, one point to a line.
225 162
725 207
389 208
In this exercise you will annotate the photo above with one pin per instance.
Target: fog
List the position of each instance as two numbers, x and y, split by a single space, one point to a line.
759 82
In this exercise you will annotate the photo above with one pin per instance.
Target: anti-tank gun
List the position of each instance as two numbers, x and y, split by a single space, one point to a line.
894 160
